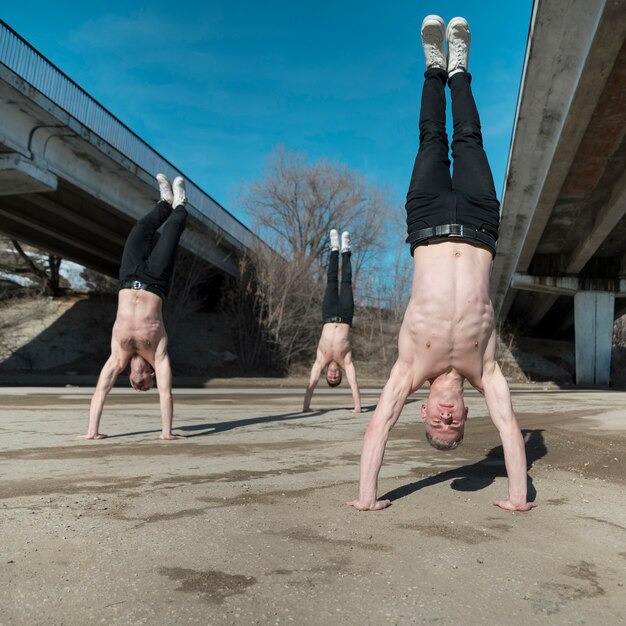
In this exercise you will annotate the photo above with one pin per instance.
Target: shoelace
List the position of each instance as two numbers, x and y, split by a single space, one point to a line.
432 49
459 46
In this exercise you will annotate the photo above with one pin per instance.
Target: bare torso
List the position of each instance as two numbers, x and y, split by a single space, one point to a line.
447 336
138 337
335 352
449 321
139 328
334 344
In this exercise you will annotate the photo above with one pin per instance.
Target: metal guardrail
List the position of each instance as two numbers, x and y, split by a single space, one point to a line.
21 58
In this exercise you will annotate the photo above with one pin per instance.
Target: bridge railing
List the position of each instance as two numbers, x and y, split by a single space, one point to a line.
21 58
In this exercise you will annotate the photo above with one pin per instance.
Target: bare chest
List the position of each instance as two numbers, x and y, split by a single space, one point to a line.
334 342
139 328
442 338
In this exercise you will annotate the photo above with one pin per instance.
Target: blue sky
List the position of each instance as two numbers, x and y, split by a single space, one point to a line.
216 86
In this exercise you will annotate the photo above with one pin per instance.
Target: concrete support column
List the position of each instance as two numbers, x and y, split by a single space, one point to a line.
593 315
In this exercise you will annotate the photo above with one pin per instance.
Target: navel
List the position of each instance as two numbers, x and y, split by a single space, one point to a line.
476 345
428 344
457 253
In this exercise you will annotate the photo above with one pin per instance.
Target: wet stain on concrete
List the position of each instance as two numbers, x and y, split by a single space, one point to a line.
310 576
554 596
268 497
115 484
454 532
94 484
166 517
602 521
585 572
106 449
236 475
110 448
350 458
497 524
284 572
212 585
307 535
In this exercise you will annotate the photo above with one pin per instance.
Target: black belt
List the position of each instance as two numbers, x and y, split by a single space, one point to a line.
451 230
137 284
331 320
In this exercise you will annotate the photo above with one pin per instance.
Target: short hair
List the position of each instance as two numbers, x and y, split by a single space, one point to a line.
336 382
441 444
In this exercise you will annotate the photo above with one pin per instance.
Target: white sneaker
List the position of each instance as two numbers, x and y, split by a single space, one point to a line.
345 241
180 197
165 189
458 36
334 240
433 41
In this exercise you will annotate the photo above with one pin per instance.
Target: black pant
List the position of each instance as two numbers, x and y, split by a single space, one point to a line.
150 263
338 305
435 198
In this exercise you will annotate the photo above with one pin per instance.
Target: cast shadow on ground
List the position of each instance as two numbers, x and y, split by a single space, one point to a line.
481 474
213 428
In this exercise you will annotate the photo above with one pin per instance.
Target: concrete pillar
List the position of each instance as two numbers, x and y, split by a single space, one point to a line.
593 315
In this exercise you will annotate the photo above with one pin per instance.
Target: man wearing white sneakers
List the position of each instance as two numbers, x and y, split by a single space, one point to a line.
448 333
139 336
334 350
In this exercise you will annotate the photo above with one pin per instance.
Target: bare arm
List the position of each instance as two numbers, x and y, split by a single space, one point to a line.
498 398
316 372
163 372
390 405
106 380
354 386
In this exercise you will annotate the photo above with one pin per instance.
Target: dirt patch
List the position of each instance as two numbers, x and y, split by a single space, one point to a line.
212 585
249 524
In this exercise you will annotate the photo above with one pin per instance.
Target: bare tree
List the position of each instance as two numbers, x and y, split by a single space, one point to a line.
187 295
293 207
244 302
296 203
97 282
43 268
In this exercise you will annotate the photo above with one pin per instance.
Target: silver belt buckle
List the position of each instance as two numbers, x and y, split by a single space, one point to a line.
136 284
456 230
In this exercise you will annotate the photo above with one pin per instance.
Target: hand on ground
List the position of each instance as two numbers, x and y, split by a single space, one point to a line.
507 505
377 505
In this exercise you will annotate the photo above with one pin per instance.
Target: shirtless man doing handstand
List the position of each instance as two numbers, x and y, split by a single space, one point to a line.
334 350
139 336
448 334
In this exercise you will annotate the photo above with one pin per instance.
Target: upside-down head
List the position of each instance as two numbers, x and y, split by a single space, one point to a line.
333 374
141 375
444 415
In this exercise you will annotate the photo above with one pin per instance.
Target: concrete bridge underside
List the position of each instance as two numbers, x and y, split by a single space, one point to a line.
76 192
561 262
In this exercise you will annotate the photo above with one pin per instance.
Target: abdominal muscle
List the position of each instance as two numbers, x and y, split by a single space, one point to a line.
139 326
334 342
449 319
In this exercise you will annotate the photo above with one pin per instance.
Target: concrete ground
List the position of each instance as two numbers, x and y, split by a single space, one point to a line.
245 522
